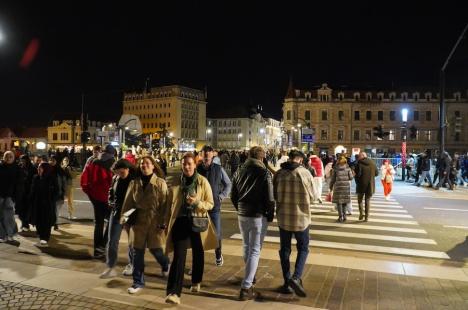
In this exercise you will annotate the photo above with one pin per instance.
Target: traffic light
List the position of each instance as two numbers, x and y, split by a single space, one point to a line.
85 137
413 132
380 133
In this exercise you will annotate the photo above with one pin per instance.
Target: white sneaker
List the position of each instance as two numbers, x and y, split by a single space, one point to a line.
128 271
108 273
195 288
25 229
173 299
165 274
70 217
41 244
134 289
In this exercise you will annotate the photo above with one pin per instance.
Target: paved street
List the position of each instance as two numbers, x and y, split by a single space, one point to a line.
406 257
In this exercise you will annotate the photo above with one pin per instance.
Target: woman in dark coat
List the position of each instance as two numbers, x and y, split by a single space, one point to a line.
44 194
23 205
340 184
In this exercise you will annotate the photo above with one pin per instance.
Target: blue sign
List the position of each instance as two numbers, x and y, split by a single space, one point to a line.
309 138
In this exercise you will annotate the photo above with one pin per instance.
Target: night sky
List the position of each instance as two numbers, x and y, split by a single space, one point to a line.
244 53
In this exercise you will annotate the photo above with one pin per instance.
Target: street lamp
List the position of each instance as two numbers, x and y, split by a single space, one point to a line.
2 37
238 138
404 118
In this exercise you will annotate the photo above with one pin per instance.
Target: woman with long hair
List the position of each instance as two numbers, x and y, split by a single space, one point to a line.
147 194
386 175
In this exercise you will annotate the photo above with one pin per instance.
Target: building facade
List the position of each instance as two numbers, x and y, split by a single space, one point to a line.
345 120
174 111
243 133
67 132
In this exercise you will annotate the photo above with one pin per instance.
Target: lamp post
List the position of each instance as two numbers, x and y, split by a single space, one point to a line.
404 118
442 124
238 139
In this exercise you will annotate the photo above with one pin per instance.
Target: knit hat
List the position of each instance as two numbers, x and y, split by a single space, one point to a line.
109 149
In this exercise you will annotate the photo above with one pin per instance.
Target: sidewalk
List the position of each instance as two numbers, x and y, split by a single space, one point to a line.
65 277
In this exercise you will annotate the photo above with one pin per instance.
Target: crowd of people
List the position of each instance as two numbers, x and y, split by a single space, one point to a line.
129 192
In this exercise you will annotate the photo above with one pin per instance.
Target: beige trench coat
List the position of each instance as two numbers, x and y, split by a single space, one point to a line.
151 208
205 198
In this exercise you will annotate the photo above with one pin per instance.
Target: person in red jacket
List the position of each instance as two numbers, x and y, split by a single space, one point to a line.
130 157
95 182
316 162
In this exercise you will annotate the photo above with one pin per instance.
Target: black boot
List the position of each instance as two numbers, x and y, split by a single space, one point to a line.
361 213
247 294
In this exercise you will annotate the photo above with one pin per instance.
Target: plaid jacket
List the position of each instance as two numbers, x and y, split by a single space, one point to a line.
294 193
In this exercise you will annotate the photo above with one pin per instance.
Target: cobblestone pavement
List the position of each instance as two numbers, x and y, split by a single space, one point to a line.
18 296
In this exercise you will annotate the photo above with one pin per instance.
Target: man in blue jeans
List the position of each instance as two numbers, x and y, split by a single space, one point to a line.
252 196
294 193
221 187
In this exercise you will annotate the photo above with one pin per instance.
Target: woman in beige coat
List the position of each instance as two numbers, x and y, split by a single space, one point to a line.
148 195
190 195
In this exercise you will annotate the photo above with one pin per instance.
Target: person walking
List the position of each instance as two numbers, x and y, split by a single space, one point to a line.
340 185
221 187
317 164
293 187
425 170
147 194
387 173
59 175
234 162
10 191
252 196
124 173
190 197
23 205
44 195
445 163
365 173
95 181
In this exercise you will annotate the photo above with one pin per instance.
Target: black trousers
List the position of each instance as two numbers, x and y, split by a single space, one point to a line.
44 231
182 237
101 213
366 203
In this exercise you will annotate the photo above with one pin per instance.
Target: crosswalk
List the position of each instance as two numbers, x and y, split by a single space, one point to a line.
390 230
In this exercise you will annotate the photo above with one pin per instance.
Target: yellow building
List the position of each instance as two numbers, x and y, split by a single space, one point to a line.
67 132
345 119
176 111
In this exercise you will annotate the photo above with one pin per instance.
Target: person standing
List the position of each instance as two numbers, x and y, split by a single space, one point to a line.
387 173
221 187
94 155
96 180
409 167
365 173
234 162
252 196
59 174
147 193
293 187
190 196
124 173
44 195
340 185
23 205
317 164
68 186
10 191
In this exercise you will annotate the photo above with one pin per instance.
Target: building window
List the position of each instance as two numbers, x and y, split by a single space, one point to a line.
457 136
429 135
428 116
356 135
356 97
340 135
340 115
380 115
457 114
380 97
392 115
356 115
288 115
391 135
324 134
416 115
368 135
64 136
54 136
324 115
368 115
369 97
307 115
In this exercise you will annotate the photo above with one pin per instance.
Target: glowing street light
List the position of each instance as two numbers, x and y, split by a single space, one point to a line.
2 36
404 115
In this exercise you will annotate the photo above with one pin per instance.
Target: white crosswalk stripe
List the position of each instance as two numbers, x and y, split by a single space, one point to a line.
390 230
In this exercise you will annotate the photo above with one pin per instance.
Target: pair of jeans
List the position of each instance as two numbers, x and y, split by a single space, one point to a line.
342 209
114 233
216 220
302 246
139 264
182 237
425 175
253 230
101 213
8 227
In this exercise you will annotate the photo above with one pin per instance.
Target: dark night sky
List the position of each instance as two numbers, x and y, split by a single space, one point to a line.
243 53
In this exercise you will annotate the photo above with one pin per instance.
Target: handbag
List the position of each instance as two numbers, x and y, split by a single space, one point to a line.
329 197
199 223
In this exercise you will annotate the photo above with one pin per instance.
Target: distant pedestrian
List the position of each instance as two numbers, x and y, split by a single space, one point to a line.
252 196
69 175
317 164
10 190
445 165
365 173
94 155
425 170
294 193
23 205
340 185
387 173
234 162
130 157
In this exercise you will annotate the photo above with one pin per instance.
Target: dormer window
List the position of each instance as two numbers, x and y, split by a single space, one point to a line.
457 96
428 96
392 96
308 95
356 96
415 96
298 92
369 96
341 96
404 96
380 96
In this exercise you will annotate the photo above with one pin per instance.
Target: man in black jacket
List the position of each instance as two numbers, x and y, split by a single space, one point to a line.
252 195
221 187
425 168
